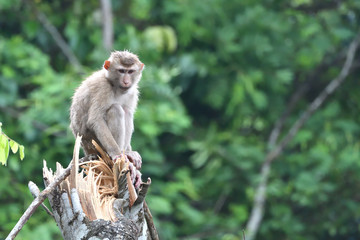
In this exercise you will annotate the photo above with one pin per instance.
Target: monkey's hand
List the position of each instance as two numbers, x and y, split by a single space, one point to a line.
135 158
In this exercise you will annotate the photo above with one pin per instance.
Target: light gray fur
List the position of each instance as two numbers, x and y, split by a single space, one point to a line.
103 111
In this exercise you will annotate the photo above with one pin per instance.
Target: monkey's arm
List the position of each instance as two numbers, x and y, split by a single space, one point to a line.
98 125
133 156
129 128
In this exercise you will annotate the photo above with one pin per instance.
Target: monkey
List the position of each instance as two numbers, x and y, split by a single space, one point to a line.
104 104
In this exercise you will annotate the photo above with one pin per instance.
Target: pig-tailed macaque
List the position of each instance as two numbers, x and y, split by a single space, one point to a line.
103 108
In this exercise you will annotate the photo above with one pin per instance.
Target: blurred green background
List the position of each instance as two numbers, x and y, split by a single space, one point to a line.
219 75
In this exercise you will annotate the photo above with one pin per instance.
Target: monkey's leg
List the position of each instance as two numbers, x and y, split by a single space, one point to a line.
115 119
88 147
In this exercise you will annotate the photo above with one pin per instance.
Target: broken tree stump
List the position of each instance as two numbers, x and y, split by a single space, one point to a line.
100 201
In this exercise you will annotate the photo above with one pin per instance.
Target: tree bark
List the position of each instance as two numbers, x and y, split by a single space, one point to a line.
107 22
93 204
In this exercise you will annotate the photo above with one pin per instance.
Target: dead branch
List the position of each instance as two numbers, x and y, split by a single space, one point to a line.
35 191
150 222
300 91
15 113
107 22
59 40
260 193
274 135
37 201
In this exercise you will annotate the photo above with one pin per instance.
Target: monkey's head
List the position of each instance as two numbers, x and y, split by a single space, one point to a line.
123 69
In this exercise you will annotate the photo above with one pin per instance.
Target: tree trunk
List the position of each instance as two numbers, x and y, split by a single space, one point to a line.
100 202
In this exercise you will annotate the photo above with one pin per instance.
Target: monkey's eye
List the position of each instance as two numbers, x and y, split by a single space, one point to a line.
122 70
131 71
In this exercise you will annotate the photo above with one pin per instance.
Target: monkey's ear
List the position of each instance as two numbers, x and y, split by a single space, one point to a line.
142 66
107 64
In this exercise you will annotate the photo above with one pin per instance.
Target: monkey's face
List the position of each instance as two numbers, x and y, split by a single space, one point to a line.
124 70
127 77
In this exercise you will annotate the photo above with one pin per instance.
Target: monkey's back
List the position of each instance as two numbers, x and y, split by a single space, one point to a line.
82 100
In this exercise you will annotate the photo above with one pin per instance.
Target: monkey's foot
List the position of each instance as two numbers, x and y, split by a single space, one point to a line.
135 158
135 174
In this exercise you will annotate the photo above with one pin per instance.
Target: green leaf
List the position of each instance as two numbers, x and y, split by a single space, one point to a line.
14 146
170 37
7 149
22 153
4 145
161 38
2 157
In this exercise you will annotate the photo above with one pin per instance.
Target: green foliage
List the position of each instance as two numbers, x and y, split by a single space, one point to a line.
6 144
160 38
218 75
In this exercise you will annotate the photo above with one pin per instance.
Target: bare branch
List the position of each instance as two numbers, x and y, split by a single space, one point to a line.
108 32
59 40
274 135
40 198
259 202
14 113
300 91
35 191
150 222
36 203
220 201
319 100
260 194
319 6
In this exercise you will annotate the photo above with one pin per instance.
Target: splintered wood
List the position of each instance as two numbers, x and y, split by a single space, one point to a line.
97 183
